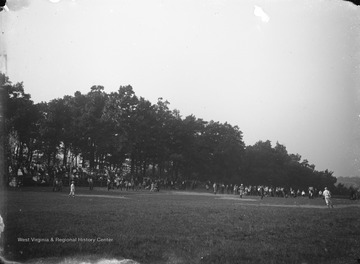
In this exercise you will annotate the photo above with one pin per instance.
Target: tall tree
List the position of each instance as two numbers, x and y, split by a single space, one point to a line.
22 123
119 113
92 124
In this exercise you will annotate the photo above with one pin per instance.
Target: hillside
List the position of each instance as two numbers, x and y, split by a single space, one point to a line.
349 181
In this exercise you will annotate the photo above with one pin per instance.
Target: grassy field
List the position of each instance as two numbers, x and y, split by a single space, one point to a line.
179 227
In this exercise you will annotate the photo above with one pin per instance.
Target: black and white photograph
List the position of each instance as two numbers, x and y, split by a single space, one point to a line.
179 131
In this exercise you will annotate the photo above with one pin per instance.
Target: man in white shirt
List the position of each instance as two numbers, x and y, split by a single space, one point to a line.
215 187
327 196
72 189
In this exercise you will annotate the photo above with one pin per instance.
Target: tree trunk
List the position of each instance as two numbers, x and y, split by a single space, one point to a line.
54 158
65 155
153 169
92 156
160 170
83 162
144 169
48 159
176 170
136 169
20 155
29 156
132 168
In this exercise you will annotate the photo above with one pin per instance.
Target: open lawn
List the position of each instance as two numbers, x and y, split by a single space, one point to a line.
178 227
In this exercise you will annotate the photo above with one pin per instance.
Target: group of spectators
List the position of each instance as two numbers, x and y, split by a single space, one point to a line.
135 184
59 176
36 174
262 190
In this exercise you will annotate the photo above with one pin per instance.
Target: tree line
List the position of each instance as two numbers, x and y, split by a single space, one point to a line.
120 130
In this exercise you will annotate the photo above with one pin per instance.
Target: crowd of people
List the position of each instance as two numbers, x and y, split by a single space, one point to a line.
262 190
59 176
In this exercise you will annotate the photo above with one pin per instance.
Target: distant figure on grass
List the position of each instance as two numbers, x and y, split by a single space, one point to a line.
215 187
117 181
352 194
155 187
311 192
222 188
235 188
108 184
152 188
207 187
55 184
72 189
241 190
327 196
91 183
60 187
261 189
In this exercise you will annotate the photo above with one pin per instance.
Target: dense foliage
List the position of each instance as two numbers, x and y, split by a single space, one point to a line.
122 131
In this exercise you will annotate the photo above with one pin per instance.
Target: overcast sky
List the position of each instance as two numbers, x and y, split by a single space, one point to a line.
285 71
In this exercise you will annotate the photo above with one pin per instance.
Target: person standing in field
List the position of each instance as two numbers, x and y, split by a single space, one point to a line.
108 183
215 187
262 194
235 189
72 189
327 196
241 190
91 183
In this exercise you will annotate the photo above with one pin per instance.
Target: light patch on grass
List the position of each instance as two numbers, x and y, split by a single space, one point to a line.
237 199
202 194
101 196
81 260
303 205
